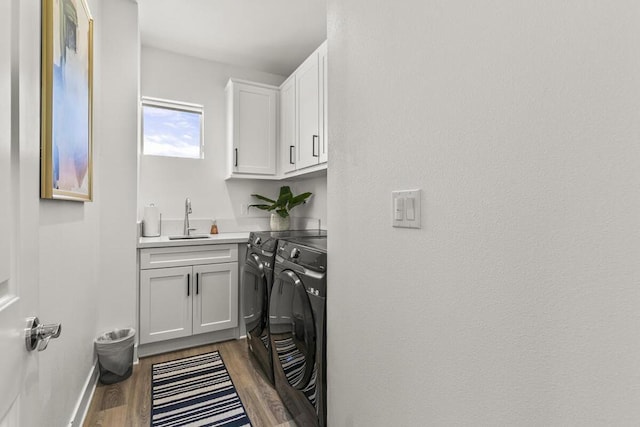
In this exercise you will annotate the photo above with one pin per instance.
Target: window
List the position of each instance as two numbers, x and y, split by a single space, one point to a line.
172 129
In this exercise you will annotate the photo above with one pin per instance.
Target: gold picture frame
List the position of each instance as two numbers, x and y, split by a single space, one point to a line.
66 159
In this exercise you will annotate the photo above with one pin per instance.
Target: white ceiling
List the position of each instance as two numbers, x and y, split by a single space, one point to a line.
268 35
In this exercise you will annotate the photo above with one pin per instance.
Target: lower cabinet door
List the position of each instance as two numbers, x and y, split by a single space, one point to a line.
165 304
215 298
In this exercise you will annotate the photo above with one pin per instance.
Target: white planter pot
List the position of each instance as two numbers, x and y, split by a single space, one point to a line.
278 223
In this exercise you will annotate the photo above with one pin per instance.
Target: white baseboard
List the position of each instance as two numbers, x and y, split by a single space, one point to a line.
82 406
84 401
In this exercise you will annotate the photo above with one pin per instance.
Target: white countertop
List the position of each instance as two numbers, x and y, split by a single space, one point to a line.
213 239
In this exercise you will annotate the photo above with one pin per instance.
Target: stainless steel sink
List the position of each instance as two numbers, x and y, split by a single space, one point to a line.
189 237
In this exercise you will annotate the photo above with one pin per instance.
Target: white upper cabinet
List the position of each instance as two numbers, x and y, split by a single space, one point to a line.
324 102
298 108
308 101
251 128
288 125
303 121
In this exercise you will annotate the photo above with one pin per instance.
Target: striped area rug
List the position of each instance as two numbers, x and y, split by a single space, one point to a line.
195 391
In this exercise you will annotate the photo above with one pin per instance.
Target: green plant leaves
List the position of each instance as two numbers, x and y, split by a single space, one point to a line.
263 207
286 201
298 200
285 193
266 199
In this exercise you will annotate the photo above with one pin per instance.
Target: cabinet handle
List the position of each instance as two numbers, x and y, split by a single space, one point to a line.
235 162
188 283
197 283
291 147
313 141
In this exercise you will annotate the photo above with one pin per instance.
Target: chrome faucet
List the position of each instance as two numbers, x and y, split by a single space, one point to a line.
187 210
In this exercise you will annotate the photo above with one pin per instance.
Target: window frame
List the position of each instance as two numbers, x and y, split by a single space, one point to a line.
169 104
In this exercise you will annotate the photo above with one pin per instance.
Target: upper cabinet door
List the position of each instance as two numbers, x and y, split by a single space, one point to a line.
252 128
324 102
308 100
288 124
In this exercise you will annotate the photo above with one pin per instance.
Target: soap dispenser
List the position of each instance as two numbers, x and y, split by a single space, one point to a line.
214 227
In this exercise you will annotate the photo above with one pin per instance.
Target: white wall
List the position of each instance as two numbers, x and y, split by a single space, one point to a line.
166 182
517 303
316 206
117 124
66 251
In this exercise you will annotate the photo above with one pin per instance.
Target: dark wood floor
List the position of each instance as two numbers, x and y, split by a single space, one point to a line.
128 403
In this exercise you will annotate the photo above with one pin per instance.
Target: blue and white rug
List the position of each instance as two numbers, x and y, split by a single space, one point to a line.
195 391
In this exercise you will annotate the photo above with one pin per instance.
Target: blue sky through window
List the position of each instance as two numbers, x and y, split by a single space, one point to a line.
170 132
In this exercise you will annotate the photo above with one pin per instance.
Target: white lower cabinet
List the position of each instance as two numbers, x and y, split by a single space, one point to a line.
181 301
215 304
166 305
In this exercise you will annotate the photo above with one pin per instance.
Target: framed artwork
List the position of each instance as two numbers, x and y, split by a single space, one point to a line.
66 101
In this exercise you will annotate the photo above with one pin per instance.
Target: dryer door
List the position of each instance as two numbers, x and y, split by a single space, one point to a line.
293 330
255 295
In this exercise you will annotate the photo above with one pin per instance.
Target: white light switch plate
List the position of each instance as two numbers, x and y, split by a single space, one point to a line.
405 208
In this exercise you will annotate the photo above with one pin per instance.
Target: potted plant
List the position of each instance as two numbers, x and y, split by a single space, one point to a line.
281 207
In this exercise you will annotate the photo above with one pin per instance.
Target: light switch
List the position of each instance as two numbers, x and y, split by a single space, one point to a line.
398 209
406 208
410 209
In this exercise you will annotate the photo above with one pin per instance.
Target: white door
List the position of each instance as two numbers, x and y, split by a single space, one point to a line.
13 303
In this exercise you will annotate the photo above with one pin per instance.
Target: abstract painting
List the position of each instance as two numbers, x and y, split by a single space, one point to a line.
67 92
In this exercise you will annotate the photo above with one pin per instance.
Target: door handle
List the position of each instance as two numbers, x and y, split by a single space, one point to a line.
236 157
291 147
37 335
188 285
313 149
197 283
